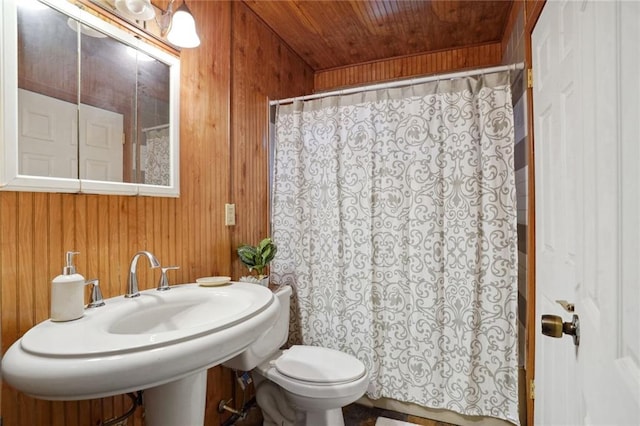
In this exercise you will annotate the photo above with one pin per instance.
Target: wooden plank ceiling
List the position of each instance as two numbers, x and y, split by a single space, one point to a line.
330 34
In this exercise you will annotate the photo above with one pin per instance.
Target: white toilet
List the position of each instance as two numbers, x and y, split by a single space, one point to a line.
302 385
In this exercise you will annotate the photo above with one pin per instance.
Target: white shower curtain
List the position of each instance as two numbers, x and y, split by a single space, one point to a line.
395 219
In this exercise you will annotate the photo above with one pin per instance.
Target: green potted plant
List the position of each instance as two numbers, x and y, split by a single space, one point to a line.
256 258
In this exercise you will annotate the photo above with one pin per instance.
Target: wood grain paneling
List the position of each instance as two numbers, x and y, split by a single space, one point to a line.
417 65
37 228
264 68
147 30
226 85
533 8
511 30
329 34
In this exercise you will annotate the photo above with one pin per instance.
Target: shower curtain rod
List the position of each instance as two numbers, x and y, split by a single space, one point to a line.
399 83
161 126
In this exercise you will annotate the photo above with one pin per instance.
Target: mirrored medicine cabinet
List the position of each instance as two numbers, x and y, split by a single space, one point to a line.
86 107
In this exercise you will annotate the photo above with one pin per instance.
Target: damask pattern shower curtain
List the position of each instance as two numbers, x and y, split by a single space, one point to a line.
395 219
158 157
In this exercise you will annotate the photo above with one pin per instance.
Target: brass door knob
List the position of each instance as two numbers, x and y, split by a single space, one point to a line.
553 326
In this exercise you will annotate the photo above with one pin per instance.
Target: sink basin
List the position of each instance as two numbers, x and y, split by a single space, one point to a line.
139 343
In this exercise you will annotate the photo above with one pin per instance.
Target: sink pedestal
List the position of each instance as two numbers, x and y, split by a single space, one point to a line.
177 403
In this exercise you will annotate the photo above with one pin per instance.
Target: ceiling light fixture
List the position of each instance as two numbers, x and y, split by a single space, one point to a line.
179 27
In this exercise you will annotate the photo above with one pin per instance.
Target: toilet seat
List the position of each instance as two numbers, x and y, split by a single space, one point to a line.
350 379
319 365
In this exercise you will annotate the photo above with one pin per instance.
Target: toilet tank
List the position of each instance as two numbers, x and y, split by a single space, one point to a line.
270 341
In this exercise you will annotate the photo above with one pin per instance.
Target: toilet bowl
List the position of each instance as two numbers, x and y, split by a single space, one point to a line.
315 382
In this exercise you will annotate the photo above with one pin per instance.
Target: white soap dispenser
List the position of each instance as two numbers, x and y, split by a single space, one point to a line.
67 293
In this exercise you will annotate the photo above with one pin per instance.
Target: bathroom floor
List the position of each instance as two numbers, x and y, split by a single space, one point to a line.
354 415
359 415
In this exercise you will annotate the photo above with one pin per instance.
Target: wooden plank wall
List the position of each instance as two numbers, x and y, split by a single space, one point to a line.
409 66
226 83
37 228
262 71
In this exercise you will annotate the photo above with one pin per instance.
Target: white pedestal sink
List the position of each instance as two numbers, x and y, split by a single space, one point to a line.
161 342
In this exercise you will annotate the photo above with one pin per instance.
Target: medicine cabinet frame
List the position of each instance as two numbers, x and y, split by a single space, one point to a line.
10 177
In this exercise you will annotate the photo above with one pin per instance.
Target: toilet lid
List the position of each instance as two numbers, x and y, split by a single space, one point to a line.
319 365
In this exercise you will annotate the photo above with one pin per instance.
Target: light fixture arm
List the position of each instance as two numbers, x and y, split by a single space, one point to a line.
164 22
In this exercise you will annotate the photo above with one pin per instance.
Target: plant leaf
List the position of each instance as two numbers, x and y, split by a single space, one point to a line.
263 244
266 253
272 254
257 257
247 255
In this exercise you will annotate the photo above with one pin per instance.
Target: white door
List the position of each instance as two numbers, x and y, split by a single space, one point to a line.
47 138
101 133
586 128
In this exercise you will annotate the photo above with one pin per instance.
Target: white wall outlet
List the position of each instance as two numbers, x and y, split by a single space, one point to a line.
229 214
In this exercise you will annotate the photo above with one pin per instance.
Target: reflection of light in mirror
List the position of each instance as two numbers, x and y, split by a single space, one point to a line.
84 29
32 5
141 56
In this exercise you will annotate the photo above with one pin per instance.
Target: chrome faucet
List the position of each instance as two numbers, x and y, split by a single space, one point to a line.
132 285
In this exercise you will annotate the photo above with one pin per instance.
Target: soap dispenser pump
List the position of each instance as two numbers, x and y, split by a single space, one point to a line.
67 293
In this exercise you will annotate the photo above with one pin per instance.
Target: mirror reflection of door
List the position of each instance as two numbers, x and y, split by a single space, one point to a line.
107 106
48 141
110 123
48 96
101 141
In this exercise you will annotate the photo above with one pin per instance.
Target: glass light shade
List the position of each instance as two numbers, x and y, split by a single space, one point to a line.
183 29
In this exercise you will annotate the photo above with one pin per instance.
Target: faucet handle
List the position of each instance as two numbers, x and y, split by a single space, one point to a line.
96 294
163 283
